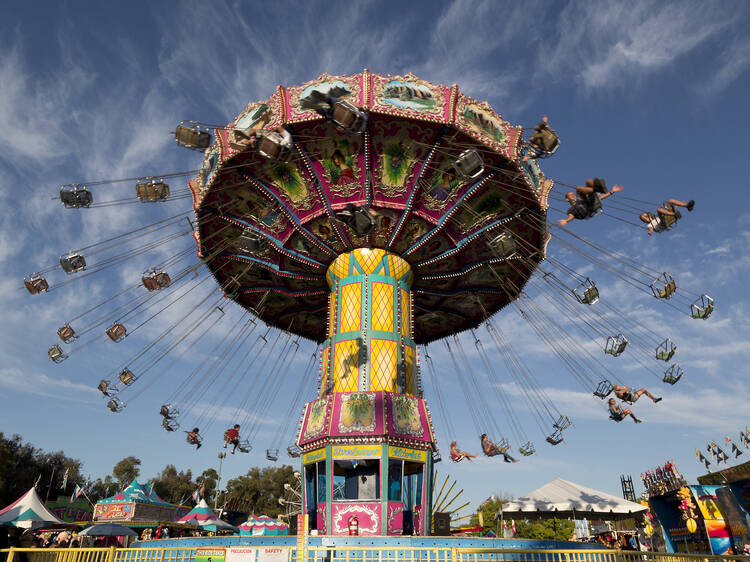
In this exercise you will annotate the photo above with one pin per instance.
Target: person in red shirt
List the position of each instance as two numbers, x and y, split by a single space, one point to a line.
232 435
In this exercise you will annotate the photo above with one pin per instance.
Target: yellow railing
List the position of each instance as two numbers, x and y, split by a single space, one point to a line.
361 554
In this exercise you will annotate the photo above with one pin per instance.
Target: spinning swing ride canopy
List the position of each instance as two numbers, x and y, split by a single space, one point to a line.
270 226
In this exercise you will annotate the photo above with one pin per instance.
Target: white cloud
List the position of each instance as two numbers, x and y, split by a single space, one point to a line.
40 384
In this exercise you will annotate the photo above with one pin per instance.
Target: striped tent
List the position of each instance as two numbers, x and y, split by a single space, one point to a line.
28 512
205 518
263 525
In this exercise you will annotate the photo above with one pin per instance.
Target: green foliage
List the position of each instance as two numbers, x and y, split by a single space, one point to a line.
173 486
489 509
126 470
260 489
22 463
545 529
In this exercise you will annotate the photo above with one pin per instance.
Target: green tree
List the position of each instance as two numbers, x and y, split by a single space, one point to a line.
545 529
126 470
101 489
489 510
172 486
260 489
209 478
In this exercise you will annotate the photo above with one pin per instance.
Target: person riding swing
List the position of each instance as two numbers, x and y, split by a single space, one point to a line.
617 413
666 216
491 450
457 455
194 438
629 395
586 201
232 436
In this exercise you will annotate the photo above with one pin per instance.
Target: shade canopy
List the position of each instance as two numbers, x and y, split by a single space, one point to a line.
108 530
263 525
28 512
204 517
561 499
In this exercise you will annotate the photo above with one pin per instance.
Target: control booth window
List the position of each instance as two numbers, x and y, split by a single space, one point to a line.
357 479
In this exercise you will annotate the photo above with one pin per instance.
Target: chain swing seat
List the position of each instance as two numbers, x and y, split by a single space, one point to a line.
72 262
293 451
191 135
170 424
563 422
76 198
604 389
498 448
664 286
116 332
154 279
504 244
67 334
615 345
272 454
56 354
251 242
348 117
469 164
702 307
152 190
673 374
244 446
115 405
168 411
276 146
586 292
106 388
127 377
194 439
555 438
666 350
527 449
550 142
358 219
35 283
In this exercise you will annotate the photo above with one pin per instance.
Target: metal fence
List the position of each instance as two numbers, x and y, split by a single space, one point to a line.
360 554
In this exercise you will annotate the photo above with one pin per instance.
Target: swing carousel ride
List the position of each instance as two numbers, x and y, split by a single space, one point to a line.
370 215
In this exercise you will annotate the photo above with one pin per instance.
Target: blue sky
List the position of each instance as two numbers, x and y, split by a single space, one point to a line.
651 95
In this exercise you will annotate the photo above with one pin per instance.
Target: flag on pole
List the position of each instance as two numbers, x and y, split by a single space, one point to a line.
65 479
151 488
38 478
199 492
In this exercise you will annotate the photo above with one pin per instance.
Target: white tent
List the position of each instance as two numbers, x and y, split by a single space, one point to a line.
28 512
563 499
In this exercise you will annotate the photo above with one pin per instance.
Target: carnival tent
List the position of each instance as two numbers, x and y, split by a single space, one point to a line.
205 518
562 499
28 512
263 525
134 492
108 530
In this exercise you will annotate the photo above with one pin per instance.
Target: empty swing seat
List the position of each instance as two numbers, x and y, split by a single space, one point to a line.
555 438
469 164
527 449
35 283
168 411
702 307
504 244
67 334
665 350
276 146
56 354
586 292
615 345
251 242
127 377
170 424
116 332
358 219
73 262
152 190
115 405
664 286
563 422
104 386
76 198
604 389
155 279
673 374
190 135
348 117
272 454
293 451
